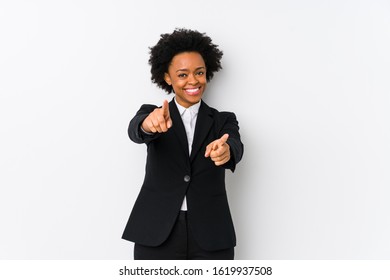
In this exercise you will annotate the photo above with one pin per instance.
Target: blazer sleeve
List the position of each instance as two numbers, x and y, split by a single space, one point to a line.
230 126
135 132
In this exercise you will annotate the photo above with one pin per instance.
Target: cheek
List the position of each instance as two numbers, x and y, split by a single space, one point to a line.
178 83
203 82
202 79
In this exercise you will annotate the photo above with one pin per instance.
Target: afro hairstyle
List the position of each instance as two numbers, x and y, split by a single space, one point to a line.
182 40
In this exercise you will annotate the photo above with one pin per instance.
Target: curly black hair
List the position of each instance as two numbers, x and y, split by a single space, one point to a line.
182 40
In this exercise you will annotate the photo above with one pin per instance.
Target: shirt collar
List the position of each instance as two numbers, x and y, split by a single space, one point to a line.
194 109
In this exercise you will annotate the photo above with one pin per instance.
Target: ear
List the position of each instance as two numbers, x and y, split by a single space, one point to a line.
167 79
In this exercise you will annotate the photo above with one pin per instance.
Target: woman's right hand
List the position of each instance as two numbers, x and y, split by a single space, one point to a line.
159 120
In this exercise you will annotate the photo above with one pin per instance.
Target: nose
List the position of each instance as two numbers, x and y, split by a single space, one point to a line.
192 80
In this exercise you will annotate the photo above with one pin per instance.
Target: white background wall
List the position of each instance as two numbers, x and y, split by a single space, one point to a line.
308 80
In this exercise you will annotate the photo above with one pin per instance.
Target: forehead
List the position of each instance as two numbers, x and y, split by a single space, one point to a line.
187 60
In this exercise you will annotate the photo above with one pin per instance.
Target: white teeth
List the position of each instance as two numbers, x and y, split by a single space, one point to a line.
192 90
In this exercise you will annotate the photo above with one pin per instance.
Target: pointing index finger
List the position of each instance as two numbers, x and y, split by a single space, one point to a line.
224 138
165 108
166 114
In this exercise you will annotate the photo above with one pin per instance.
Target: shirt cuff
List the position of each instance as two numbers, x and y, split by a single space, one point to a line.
147 133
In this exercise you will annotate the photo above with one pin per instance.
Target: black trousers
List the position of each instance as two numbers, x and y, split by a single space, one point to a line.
180 245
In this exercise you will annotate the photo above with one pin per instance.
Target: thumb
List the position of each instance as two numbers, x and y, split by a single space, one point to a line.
210 147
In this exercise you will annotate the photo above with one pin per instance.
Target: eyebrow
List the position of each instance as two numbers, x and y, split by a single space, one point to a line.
201 67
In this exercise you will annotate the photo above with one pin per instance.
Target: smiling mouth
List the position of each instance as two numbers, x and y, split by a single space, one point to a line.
192 91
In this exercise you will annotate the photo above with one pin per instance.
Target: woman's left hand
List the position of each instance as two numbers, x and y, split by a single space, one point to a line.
219 150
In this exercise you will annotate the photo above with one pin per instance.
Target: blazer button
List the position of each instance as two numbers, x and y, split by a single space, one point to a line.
187 178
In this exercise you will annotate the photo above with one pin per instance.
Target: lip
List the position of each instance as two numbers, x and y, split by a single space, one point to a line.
192 91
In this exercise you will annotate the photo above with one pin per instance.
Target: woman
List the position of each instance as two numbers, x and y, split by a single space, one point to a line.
182 210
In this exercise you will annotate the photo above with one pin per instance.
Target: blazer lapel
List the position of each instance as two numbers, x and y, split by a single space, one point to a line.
203 124
178 126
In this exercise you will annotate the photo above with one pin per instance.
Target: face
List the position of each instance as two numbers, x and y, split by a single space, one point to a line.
187 75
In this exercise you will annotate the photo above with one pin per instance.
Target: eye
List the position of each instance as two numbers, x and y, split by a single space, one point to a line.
200 73
182 75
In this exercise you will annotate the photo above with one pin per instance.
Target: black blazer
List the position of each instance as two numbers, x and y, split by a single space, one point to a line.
171 174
